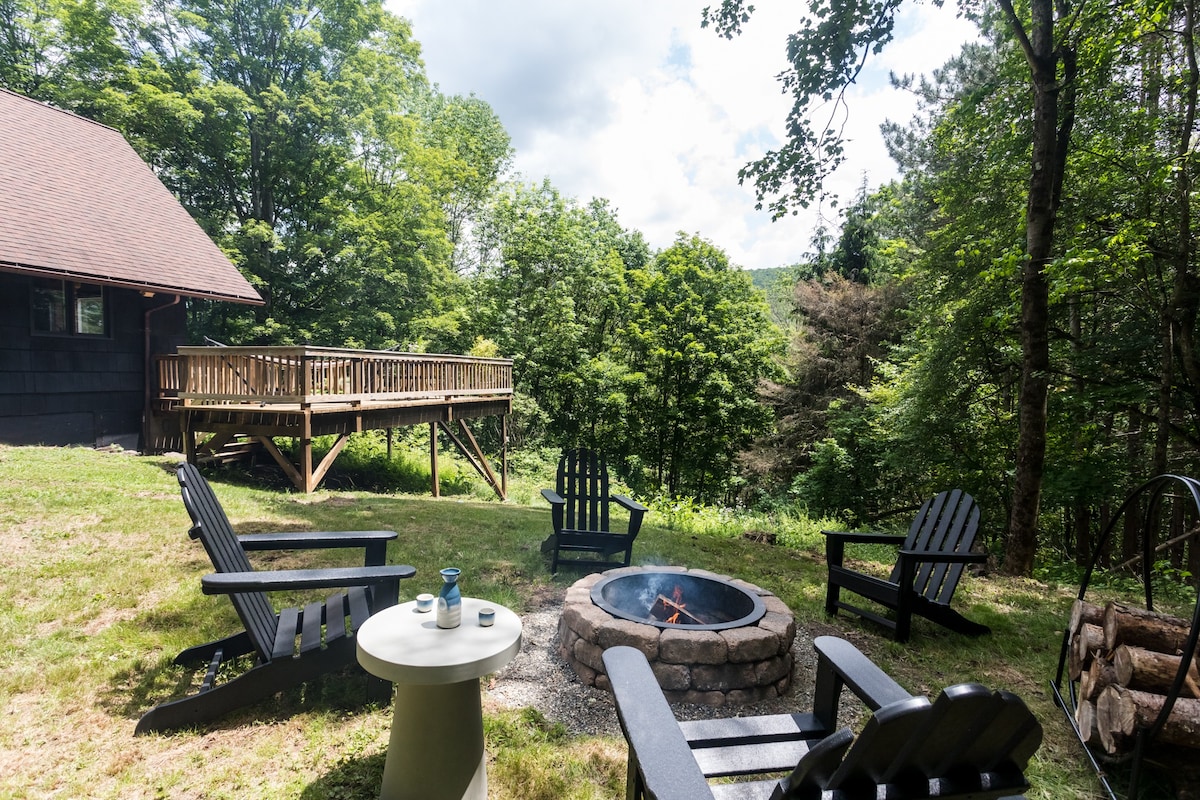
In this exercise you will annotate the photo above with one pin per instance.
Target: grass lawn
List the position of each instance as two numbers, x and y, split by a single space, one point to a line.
101 589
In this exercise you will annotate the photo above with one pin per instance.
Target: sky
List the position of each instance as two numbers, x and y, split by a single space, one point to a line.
634 102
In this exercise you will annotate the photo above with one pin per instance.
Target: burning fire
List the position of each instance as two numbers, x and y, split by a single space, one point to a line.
677 598
673 610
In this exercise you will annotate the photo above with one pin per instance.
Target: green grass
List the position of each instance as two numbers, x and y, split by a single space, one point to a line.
100 589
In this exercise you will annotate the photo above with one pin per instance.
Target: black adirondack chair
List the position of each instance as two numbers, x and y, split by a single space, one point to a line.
971 743
579 506
930 562
325 630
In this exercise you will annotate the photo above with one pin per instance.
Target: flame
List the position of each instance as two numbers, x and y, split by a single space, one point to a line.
677 598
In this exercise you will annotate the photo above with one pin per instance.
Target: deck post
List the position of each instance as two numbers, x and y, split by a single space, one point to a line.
306 453
504 455
189 437
433 459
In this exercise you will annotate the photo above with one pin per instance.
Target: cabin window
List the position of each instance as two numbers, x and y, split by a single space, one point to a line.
68 308
89 310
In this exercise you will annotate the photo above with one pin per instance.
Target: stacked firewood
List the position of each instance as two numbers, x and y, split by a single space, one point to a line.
1126 660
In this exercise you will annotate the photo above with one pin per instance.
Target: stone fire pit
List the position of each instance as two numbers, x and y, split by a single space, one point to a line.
693 663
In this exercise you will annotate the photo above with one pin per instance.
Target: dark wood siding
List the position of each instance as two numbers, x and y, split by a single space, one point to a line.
60 390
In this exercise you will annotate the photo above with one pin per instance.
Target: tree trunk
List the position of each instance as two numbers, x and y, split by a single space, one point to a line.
1051 135
1130 529
1185 300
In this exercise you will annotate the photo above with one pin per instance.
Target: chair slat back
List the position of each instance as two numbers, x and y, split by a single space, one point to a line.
971 742
946 523
212 528
958 715
874 752
583 482
1010 741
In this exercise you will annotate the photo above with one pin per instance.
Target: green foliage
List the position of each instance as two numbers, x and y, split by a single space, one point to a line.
829 483
844 329
826 55
701 340
550 289
788 526
654 361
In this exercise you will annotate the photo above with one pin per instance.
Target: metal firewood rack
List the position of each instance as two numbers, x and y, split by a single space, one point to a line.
1147 500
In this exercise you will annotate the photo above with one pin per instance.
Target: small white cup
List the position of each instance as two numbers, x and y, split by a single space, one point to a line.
424 603
487 617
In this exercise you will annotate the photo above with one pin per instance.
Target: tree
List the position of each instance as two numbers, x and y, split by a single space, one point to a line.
300 156
701 340
827 54
845 315
73 55
1117 393
551 288
477 150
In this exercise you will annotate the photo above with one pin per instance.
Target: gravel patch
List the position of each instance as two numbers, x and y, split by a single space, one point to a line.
540 679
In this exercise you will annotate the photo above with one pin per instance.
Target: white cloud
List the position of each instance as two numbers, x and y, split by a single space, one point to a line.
634 102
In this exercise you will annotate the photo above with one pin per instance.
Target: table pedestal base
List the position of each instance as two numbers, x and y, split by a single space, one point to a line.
436 749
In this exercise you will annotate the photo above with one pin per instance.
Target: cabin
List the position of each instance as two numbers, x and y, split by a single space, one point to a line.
96 257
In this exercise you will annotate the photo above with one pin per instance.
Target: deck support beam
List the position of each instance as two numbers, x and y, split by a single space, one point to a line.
474 456
307 478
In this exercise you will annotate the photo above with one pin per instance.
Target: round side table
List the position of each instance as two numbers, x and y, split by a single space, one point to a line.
436 747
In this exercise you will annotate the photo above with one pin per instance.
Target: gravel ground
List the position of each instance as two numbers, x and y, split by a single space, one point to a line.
539 678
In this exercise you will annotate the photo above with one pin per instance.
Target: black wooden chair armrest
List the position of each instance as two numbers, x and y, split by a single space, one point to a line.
836 541
657 746
839 664
277 580
312 540
375 542
865 537
944 558
558 509
636 512
629 504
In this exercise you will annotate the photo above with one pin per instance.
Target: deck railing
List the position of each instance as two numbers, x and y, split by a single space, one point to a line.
318 375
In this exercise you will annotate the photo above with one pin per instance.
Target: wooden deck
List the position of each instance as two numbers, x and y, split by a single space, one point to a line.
218 393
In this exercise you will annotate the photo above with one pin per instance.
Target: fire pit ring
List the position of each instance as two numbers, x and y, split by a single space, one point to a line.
728 666
698 602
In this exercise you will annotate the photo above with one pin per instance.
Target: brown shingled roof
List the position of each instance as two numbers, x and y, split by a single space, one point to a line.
76 201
